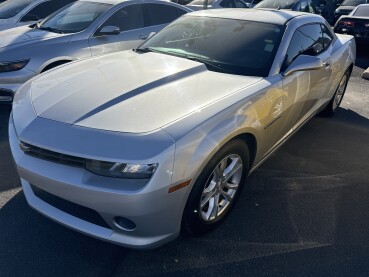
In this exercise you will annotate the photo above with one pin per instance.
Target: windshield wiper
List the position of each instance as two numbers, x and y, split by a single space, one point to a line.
50 29
207 62
147 49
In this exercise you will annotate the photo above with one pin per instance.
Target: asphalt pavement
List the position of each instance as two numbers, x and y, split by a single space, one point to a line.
305 212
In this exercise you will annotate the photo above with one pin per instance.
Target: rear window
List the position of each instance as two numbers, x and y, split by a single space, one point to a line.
277 4
353 2
362 11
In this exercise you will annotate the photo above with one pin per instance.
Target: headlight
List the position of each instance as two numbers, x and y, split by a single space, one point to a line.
121 170
13 66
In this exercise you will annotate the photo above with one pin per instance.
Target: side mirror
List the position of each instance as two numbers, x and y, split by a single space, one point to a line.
30 17
151 35
303 63
109 30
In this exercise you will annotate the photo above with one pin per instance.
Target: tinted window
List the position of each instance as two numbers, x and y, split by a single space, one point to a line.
233 4
162 14
307 40
127 18
11 8
247 48
275 4
44 9
327 37
353 2
362 11
75 17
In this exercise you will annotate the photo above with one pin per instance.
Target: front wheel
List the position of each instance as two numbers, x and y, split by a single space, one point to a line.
338 96
216 189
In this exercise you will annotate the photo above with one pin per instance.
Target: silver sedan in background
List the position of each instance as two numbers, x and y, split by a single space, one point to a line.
15 13
80 30
134 146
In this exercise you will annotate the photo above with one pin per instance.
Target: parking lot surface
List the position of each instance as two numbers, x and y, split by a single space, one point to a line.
304 212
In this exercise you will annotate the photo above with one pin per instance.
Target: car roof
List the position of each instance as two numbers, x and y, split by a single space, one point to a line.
278 17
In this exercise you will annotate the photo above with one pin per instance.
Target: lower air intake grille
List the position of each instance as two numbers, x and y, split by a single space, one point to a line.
71 208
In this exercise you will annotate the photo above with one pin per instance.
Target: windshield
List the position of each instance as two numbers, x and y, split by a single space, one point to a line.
200 2
276 4
75 17
11 8
353 2
246 47
362 11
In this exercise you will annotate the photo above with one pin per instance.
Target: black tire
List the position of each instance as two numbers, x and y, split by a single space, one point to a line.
192 221
333 105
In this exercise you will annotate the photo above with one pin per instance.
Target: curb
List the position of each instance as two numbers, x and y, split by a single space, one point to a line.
365 74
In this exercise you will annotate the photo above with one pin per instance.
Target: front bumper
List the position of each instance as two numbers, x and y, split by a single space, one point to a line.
11 81
155 212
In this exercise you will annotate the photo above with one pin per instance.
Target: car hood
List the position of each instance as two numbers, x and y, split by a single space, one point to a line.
130 92
22 36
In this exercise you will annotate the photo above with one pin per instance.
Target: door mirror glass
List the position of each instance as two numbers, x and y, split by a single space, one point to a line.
109 30
303 63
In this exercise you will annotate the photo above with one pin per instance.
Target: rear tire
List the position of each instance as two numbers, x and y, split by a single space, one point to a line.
216 189
338 96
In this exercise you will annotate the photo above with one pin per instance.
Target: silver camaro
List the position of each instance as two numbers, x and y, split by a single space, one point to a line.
135 146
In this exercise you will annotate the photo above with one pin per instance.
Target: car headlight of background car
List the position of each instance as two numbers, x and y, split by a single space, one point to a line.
121 170
13 66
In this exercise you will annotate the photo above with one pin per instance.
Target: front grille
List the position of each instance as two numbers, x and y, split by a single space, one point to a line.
71 208
51 156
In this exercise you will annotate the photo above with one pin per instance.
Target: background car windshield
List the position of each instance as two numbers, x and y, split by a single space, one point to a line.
230 46
353 2
362 11
275 4
11 8
75 17
201 2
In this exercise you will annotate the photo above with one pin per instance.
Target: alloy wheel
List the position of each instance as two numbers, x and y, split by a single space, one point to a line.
220 188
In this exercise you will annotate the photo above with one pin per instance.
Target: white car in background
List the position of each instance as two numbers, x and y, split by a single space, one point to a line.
80 30
15 13
217 4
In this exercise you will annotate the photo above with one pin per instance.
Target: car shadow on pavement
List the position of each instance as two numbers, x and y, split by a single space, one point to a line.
305 211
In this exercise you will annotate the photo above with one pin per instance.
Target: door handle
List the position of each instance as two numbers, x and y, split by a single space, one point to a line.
143 37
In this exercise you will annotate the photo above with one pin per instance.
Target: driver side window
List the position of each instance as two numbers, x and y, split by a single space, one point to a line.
307 40
127 18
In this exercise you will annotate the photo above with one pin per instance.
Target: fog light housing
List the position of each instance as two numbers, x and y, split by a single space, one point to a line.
124 223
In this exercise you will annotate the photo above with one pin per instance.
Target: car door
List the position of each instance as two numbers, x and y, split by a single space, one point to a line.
160 15
131 23
306 89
